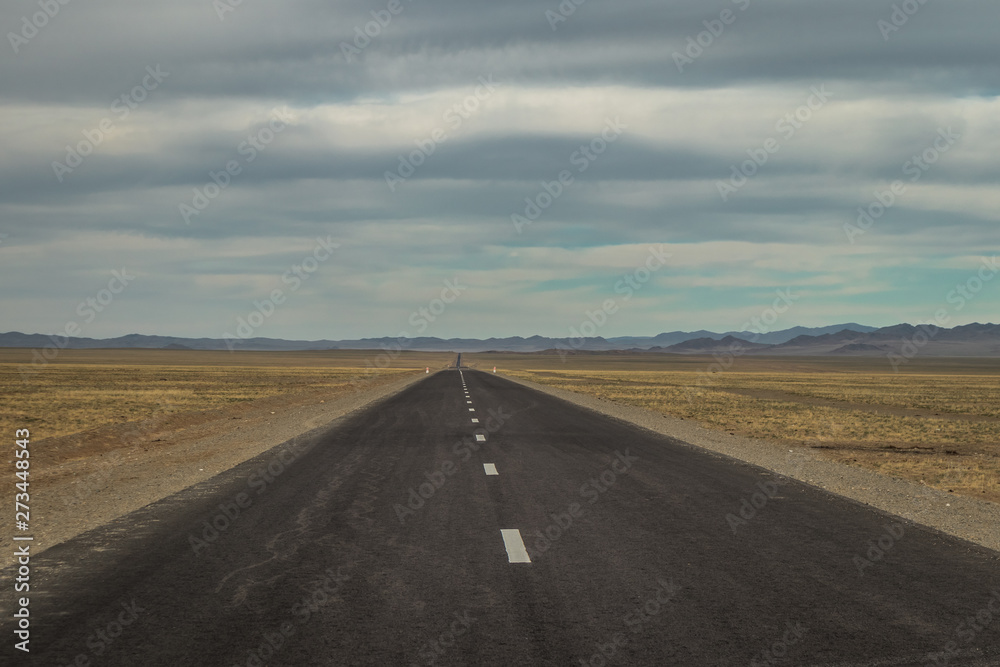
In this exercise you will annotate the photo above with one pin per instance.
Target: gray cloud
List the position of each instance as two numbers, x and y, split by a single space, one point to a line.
324 173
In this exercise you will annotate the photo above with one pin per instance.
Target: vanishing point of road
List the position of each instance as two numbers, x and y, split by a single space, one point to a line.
468 520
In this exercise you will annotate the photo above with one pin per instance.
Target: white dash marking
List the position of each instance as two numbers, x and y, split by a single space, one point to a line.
480 437
472 409
490 468
469 402
516 553
475 421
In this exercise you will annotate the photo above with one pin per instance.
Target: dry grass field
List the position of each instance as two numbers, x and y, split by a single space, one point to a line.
936 422
84 389
113 430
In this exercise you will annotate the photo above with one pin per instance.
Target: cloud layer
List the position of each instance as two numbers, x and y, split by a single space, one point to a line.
533 151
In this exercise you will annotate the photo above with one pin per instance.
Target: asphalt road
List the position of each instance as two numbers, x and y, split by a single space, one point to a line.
381 542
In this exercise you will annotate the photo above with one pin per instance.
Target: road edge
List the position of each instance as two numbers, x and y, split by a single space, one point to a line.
977 521
122 497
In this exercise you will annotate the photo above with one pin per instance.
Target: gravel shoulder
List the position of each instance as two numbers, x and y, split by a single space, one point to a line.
977 521
84 480
77 486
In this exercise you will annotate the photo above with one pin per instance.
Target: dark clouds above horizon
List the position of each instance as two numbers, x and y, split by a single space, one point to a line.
891 96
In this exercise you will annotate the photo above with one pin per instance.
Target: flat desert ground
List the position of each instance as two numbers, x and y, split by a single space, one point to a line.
113 430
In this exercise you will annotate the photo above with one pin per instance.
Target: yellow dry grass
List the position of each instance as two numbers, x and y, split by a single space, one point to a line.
83 389
937 423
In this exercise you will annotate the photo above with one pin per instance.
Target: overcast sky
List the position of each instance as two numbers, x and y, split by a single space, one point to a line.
713 152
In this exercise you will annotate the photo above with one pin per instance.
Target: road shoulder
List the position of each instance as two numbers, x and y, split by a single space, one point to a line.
73 493
977 521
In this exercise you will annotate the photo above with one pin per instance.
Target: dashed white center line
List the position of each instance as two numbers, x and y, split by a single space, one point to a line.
472 409
490 468
516 553
469 402
480 437
475 421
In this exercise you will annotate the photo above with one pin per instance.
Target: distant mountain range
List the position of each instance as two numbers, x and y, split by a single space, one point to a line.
903 340
771 338
842 339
